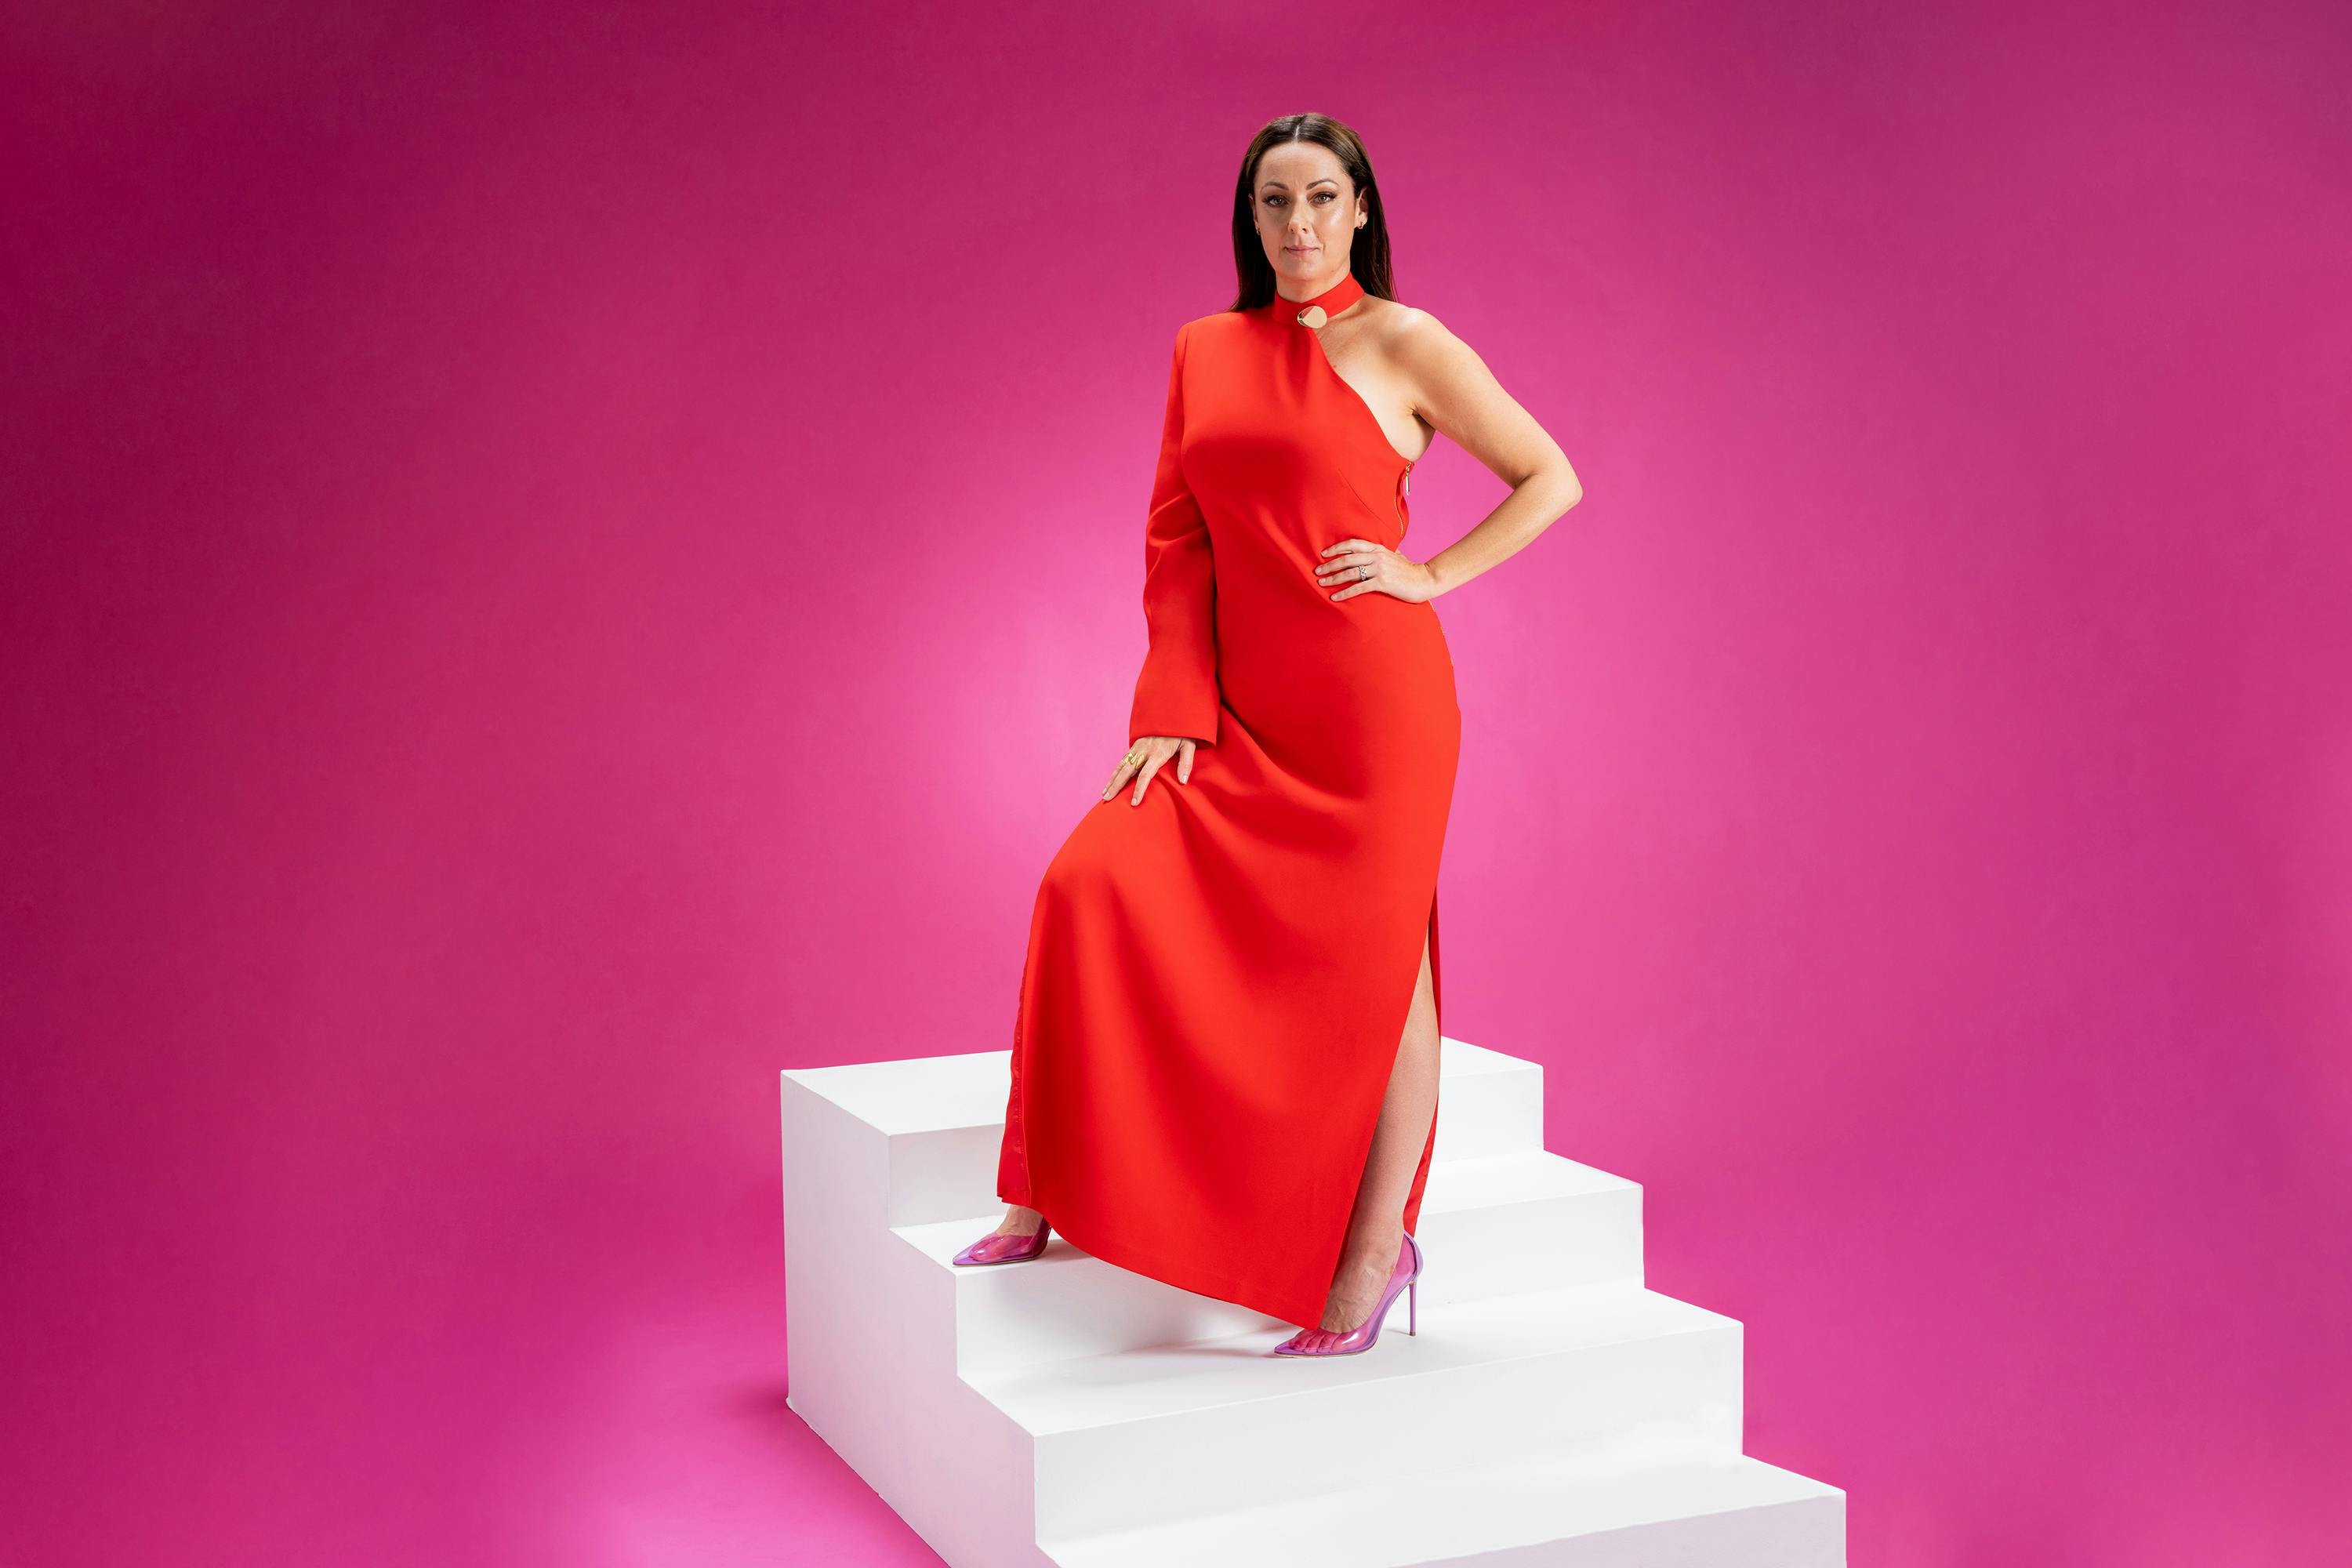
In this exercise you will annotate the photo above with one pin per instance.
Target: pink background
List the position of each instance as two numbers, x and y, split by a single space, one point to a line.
558 561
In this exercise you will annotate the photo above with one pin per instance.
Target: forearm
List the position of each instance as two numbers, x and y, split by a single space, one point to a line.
1535 504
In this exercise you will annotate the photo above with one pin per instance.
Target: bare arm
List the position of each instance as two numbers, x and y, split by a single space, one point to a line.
1454 391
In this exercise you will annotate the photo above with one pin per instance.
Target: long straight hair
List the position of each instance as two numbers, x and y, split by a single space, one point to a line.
1368 257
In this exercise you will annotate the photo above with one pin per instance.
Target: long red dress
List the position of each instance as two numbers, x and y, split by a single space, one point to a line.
1217 979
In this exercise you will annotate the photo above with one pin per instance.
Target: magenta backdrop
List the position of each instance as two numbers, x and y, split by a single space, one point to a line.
557 561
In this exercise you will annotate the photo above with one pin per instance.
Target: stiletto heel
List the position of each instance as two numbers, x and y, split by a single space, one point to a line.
995 1248
1403 1281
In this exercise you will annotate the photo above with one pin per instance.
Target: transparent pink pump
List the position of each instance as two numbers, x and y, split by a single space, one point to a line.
1404 1278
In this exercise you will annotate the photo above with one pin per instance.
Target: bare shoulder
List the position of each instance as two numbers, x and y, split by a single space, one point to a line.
1453 391
1416 342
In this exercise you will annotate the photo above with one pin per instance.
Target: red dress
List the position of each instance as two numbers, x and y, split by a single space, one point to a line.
1217 979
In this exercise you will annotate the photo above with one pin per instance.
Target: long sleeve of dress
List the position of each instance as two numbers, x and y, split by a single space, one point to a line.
1176 694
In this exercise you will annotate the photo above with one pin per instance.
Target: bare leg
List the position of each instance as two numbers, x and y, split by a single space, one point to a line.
1376 1229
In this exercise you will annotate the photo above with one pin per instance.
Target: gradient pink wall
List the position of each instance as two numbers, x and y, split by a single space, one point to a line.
557 561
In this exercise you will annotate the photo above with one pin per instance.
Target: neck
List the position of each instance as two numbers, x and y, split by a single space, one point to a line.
1309 290
1334 294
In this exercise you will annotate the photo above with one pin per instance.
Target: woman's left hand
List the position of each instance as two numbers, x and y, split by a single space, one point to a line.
1365 566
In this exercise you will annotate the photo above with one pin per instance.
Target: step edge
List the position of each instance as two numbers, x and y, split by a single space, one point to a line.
1800 1488
987 1382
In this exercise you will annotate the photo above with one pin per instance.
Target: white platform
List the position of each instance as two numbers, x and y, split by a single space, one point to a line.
1551 1410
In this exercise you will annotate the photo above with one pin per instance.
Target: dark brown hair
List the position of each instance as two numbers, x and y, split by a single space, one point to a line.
1368 258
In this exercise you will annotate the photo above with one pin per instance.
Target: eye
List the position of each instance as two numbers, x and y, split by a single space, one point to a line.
1324 197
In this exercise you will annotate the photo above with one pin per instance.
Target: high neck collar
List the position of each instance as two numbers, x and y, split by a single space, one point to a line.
1330 302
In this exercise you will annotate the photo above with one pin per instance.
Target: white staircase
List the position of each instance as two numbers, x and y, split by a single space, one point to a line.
1551 1411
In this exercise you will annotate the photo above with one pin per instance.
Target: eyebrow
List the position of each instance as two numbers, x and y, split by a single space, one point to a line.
1326 180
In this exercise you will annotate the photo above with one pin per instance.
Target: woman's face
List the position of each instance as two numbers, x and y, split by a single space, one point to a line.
1308 211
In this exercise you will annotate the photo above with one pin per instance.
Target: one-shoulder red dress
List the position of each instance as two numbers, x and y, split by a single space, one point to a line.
1218 978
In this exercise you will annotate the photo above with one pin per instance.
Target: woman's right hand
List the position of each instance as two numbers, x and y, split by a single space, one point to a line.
1144 758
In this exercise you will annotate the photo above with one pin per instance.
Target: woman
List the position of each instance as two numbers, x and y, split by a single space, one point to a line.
1224 1063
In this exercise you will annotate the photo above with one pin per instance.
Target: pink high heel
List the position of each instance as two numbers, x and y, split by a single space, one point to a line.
1364 1335
994 1249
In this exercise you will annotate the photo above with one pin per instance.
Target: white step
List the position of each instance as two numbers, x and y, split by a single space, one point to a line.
1146 1434
1540 1512
1504 1223
1065 1412
942 1118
